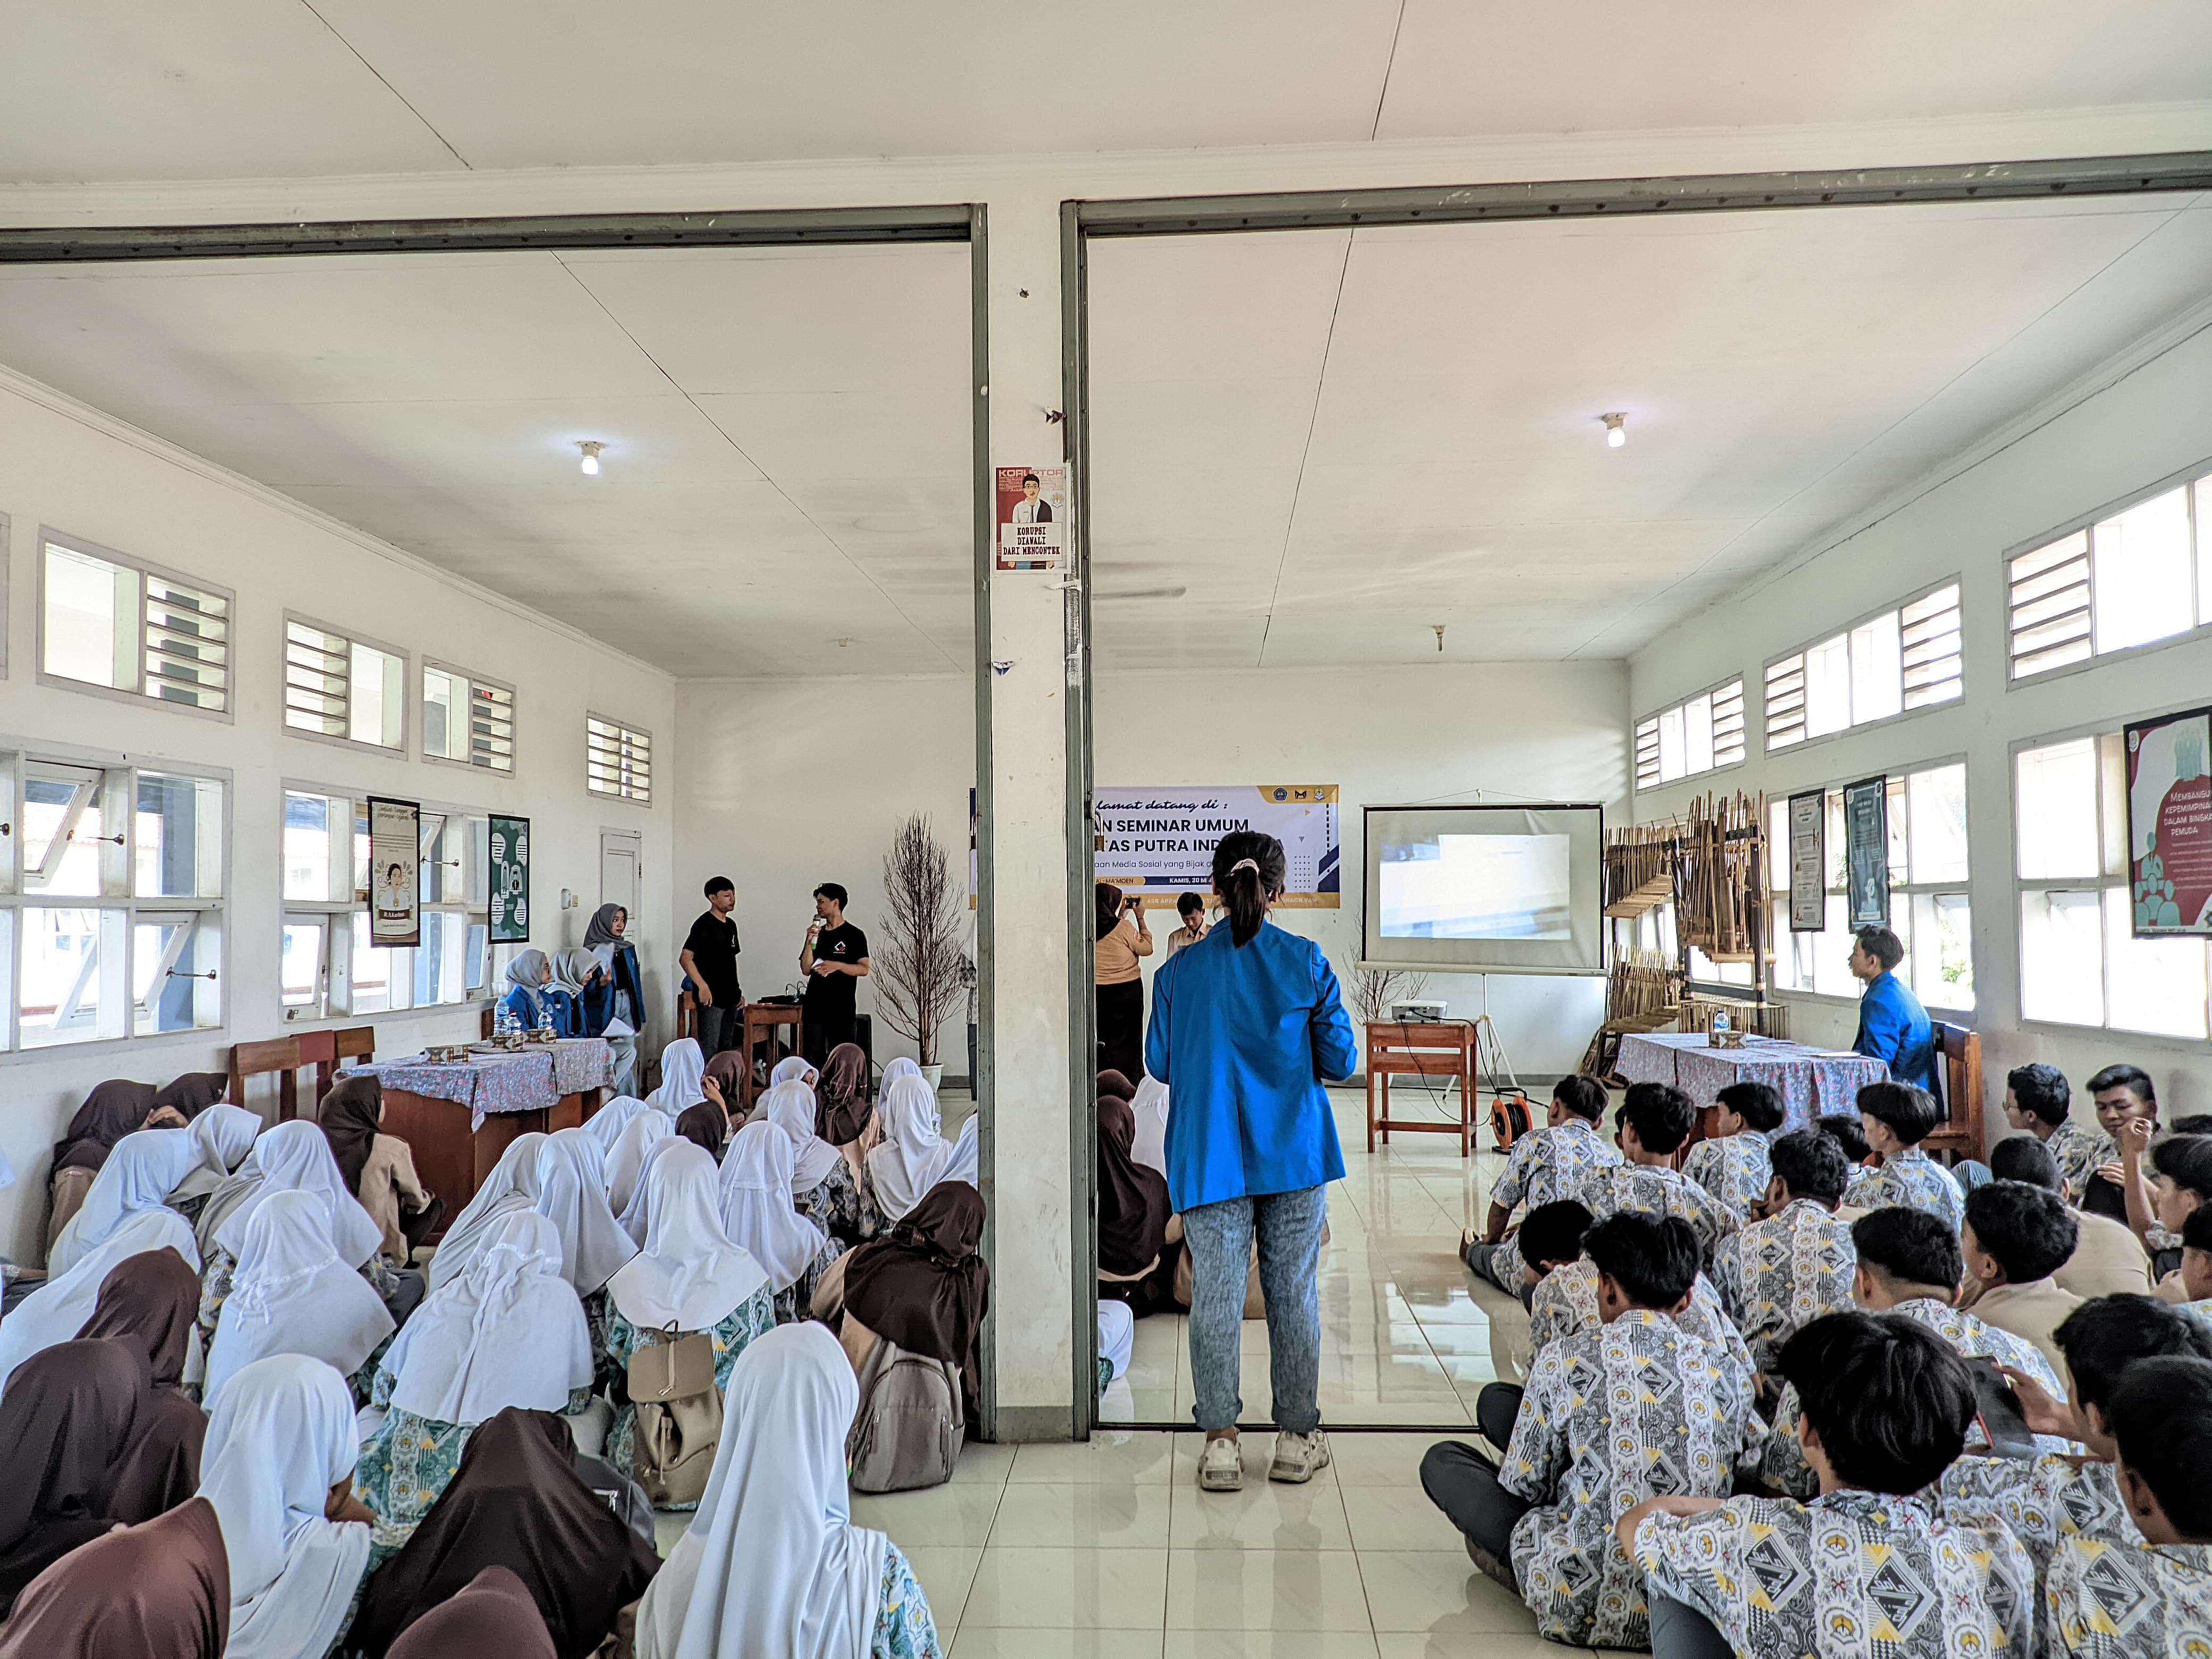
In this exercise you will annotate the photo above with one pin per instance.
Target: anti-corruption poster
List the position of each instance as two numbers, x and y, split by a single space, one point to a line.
1163 840
2170 824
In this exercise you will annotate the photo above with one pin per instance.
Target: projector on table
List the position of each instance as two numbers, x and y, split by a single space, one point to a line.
1418 1013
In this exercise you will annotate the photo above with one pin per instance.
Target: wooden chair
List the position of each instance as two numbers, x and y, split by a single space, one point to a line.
278 1054
1961 1134
354 1042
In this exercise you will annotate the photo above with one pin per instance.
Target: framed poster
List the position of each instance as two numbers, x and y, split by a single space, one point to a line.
395 860
1866 849
1809 862
1032 517
2169 825
510 879
1162 840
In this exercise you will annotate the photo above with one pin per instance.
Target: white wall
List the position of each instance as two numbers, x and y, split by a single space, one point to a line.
783 784
2086 452
74 470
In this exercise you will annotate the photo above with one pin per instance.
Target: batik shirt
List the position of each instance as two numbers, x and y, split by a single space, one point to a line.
2041 1503
1735 1170
1566 1302
1912 1181
1612 1416
1784 1466
1778 1275
1544 1167
1853 1575
2078 1152
2108 1601
1650 1190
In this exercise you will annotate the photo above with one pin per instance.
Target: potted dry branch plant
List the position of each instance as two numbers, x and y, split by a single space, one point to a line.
918 967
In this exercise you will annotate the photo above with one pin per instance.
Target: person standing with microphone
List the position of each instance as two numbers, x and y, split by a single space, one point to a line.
834 959
1248 1024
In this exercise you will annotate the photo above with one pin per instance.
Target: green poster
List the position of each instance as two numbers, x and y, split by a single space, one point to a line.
510 879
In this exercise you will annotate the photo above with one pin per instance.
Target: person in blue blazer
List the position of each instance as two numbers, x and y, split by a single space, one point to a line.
1893 1027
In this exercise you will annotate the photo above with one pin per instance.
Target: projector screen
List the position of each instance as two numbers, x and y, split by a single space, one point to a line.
1504 890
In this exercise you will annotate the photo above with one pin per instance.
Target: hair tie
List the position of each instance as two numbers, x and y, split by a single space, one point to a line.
1245 864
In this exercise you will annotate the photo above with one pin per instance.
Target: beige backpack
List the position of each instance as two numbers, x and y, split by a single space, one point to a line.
911 1424
679 1416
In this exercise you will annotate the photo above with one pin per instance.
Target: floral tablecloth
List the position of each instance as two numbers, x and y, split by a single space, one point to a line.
1811 1081
532 1080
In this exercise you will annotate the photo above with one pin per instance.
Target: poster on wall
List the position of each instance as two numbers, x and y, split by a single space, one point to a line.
395 854
2170 824
1866 848
1163 840
510 879
1809 862
1032 517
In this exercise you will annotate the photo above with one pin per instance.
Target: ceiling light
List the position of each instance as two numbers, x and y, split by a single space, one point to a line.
1616 429
590 458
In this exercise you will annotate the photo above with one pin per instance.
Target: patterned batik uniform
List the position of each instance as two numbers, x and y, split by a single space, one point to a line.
2078 1150
2041 1503
1566 1302
1544 1167
1735 1170
1912 1181
841 1208
2109 1602
1612 1416
904 1628
1650 1189
1853 1575
1784 1466
1778 1275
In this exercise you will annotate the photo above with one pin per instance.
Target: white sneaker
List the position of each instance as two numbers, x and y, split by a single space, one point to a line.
1299 1458
1221 1466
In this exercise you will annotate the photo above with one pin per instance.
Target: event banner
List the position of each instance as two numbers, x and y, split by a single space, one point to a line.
510 879
2170 824
395 854
1163 840
1866 847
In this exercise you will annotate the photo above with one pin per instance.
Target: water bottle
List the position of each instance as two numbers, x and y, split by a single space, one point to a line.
1721 1023
545 1022
502 1019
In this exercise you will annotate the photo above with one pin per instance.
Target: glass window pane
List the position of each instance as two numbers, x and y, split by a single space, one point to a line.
308 822
1937 807
2112 773
72 989
1877 670
1827 954
445 715
62 827
1828 686
441 961
1698 733
91 619
301 969
2055 810
173 959
2203 492
179 837
2157 984
1833 842
1897 818
1943 936
1777 848
376 972
2062 959
1673 760
2143 577
478 950
375 693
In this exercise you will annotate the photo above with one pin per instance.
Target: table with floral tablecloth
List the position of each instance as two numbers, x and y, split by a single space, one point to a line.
1811 1081
531 1079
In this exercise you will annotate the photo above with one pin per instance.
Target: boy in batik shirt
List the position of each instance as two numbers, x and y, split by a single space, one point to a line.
1735 1168
1897 1118
1544 1167
1782 1272
1652 1122
2038 1099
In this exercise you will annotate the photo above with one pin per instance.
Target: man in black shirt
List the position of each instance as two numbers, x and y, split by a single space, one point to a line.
710 962
835 959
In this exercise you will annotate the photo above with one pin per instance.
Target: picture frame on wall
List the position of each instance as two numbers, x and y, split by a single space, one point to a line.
2169 771
395 872
1809 862
510 879
1866 852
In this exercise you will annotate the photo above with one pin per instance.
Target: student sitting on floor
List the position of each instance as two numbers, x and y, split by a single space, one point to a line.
1652 1122
2195 1271
2111 1602
2108 1259
1785 1271
2119 1092
2016 1237
1908 1264
2037 1100
1865 1567
1552 1236
2179 1166
1544 1167
1611 1416
1733 1168
1567 1301
1897 1118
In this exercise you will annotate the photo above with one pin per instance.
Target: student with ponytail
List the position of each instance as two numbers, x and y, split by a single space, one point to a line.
1246 1026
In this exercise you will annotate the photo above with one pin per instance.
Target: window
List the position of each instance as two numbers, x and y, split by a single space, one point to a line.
111 901
467 719
617 760
1701 735
109 622
1901 660
1929 908
336 687
2131 578
2079 963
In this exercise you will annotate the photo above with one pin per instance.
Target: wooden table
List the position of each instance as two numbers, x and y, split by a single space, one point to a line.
761 1021
1444 1049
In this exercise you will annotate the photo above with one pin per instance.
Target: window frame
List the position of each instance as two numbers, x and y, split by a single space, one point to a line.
430 665
1657 716
1896 607
407 682
644 802
50 537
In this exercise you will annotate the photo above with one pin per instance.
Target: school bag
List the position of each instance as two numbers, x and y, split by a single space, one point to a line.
679 1416
911 1424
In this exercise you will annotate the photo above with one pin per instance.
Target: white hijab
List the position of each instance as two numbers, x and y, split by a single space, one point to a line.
898 1068
637 1215
794 1068
606 1125
756 1209
139 1174
772 1564
627 1162
511 1185
912 1156
790 1107
572 1193
294 1156
290 1294
691 1273
683 1065
1149 1109
510 1332
225 1135
280 1438
57 1310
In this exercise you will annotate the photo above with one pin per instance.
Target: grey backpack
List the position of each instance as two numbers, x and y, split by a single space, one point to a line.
911 1424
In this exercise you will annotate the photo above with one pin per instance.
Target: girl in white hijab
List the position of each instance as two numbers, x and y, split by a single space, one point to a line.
511 1185
290 1293
508 1332
279 1458
691 1275
294 1157
683 1066
138 1175
757 1211
772 1564
825 1183
57 1309
627 1161
794 1068
572 1194
914 1155
606 1125
637 1215
225 1135
898 1068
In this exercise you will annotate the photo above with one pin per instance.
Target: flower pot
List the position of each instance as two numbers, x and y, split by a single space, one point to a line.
933 1076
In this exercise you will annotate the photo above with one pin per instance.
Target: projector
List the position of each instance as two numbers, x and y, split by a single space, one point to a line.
1418 1013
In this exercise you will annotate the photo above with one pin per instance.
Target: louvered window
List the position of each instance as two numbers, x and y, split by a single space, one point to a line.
109 620
467 719
1699 735
335 686
2132 578
1890 664
617 760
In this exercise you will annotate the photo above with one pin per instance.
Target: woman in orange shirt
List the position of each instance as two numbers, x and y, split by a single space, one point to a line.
1122 937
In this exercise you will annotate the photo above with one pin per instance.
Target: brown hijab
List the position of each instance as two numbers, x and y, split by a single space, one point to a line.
158 1591
840 1097
193 1093
148 1303
349 1116
113 1109
492 1615
65 1423
704 1125
516 1502
1133 1200
728 1069
923 1286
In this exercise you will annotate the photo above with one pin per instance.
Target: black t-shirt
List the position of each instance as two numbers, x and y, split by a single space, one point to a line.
714 946
829 996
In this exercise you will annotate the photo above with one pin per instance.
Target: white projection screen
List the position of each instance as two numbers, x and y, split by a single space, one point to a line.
1497 890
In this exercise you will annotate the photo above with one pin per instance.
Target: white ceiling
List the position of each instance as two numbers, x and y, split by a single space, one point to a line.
119 90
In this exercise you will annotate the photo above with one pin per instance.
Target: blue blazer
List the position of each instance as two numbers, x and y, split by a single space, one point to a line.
1893 1027
1244 1039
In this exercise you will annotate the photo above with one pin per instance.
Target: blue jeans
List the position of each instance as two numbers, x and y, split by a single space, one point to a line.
1219 1236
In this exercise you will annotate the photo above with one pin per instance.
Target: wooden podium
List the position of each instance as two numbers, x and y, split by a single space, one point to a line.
1443 1049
